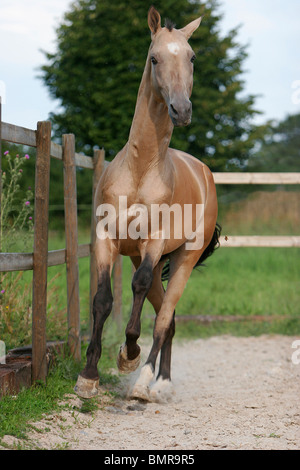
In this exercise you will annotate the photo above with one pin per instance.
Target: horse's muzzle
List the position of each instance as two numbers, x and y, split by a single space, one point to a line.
180 113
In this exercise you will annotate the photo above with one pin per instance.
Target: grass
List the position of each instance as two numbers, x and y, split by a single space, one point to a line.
33 404
245 282
242 282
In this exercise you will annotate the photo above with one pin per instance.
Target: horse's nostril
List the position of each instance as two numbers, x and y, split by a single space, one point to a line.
174 110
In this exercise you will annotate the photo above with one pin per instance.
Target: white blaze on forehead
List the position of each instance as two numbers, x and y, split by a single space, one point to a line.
173 47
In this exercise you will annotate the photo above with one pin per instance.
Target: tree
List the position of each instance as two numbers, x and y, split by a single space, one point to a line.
280 148
96 71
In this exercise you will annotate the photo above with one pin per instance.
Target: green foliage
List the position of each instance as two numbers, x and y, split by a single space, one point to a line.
16 223
16 309
95 74
280 149
16 208
26 182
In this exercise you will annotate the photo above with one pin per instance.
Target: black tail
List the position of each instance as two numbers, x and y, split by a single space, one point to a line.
211 247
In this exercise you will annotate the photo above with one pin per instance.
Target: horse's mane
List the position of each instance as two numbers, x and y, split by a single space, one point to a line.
169 24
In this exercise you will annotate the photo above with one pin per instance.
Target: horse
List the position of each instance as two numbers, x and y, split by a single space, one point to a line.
147 173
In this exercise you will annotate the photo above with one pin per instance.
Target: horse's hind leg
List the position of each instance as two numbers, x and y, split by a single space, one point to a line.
181 266
162 389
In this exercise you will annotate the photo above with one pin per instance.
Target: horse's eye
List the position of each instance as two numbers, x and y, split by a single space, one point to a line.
193 59
153 60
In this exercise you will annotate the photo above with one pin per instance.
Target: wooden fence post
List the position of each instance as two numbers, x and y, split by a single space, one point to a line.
71 232
40 251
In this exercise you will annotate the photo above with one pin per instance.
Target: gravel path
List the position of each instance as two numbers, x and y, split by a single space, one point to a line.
231 393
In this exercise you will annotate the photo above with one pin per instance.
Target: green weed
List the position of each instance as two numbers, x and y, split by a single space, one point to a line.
33 404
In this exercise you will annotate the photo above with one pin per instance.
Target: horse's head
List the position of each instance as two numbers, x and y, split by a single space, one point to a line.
172 61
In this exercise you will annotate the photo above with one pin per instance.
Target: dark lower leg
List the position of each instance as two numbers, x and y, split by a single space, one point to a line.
141 284
165 354
102 306
162 341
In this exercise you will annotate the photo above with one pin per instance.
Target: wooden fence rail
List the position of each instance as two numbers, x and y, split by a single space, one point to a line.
256 178
41 258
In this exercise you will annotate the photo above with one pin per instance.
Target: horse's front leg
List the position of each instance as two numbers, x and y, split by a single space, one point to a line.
129 355
88 380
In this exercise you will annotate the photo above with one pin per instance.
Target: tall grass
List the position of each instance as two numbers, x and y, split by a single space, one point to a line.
261 213
16 310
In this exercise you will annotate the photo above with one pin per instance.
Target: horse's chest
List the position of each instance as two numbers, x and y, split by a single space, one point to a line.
154 190
150 189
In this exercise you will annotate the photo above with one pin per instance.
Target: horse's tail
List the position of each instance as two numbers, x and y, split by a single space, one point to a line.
209 250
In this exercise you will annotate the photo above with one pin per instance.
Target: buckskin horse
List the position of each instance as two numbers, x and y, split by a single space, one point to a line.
147 172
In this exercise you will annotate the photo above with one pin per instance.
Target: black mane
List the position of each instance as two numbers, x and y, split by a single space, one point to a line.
169 24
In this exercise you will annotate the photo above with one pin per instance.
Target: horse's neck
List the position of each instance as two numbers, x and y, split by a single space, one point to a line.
151 128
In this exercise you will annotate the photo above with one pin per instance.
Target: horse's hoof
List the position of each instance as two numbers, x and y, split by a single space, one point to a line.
140 392
126 365
86 388
162 391
141 389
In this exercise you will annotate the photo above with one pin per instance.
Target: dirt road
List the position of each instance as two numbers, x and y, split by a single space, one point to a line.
231 393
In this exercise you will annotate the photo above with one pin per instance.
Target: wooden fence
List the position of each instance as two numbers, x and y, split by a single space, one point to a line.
258 178
41 258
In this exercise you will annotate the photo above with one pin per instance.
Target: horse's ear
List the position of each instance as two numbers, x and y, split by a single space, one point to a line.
191 27
154 21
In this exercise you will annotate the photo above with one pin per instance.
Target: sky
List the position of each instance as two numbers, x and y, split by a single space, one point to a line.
271 28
